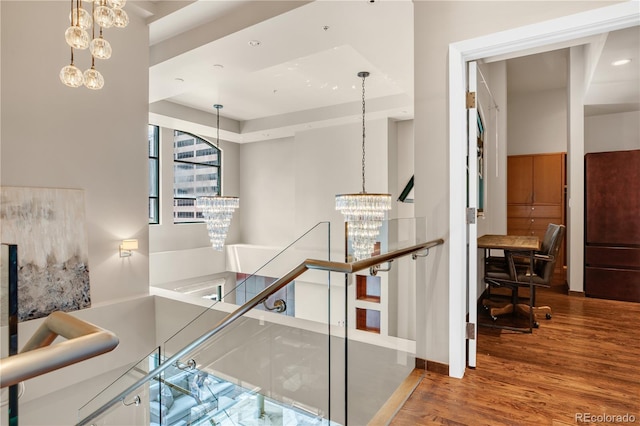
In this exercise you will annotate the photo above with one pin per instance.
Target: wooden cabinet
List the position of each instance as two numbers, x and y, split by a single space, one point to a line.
612 219
536 197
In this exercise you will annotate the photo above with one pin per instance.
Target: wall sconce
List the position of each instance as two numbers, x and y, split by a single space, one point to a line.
127 246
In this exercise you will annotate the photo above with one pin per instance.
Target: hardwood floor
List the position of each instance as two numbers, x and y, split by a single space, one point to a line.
585 361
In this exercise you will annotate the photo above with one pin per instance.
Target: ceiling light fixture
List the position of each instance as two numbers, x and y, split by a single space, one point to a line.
254 43
217 210
620 62
363 212
106 13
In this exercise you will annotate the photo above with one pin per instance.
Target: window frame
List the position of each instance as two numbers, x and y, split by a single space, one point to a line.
154 159
217 166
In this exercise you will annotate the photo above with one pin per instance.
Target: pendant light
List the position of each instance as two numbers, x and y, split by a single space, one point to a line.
217 209
363 212
106 14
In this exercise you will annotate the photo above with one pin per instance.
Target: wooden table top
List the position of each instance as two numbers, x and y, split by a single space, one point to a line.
509 242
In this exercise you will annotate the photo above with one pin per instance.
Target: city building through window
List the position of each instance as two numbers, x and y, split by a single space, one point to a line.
196 172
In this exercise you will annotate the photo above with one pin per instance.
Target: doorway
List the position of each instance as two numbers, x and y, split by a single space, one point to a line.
538 37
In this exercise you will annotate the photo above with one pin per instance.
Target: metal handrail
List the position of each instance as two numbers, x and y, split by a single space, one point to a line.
320 265
38 357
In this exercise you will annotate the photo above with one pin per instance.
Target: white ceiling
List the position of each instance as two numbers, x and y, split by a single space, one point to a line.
304 71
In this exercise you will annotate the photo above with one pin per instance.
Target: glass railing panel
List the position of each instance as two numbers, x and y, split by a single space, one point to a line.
4 326
265 368
381 310
137 406
259 270
9 328
318 362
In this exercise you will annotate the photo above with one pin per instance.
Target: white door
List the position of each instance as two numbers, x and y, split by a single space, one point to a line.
472 208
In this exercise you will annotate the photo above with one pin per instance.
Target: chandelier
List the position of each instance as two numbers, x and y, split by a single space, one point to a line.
106 14
363 212
217 210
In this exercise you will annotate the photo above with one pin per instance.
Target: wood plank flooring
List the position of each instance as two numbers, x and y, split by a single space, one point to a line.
585 361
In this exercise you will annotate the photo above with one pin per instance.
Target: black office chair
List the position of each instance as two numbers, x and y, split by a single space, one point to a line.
513 272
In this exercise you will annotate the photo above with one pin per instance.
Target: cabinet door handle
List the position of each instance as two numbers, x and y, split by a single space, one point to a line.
532 220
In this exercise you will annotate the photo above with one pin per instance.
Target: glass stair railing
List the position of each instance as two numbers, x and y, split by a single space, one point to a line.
255 367
38 356
9 326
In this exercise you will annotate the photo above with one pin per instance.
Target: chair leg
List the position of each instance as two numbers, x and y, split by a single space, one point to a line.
524 310
496 308
488 303
546 310
506 309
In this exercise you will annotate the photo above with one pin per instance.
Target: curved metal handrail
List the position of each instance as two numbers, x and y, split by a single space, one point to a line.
38 357
321 265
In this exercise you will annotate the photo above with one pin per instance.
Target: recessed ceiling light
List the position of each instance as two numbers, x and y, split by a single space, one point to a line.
254 43
620 62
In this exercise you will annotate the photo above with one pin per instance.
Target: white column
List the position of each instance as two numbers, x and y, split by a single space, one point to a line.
575 170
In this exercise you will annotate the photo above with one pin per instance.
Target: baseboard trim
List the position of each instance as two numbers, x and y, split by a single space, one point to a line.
576 293
390 408
438 367
433 366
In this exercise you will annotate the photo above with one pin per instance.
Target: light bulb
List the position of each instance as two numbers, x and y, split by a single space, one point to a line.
71 76
77 37
93 79
121 19
103 16
100 48
117 3
83 20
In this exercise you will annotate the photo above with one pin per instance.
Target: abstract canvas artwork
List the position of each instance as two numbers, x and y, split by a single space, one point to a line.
48 225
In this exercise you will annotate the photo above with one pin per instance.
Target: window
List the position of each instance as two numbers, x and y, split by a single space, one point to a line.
196 172
154 174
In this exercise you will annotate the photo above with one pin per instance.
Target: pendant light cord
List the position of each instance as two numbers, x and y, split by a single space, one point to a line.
217 107
363 133
218 129
93 33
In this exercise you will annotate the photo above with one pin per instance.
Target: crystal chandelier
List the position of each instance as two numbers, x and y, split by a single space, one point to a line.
106 14
217 209
363 212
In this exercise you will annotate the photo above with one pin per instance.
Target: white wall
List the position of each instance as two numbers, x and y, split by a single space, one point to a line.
537 122
55 136
495 107
58 137
268 187
290 184
328 162
404 168
612 132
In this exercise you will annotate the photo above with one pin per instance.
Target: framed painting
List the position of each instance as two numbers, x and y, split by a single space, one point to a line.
48 226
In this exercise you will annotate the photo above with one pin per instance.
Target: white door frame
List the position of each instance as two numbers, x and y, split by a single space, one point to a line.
472 226
560 30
